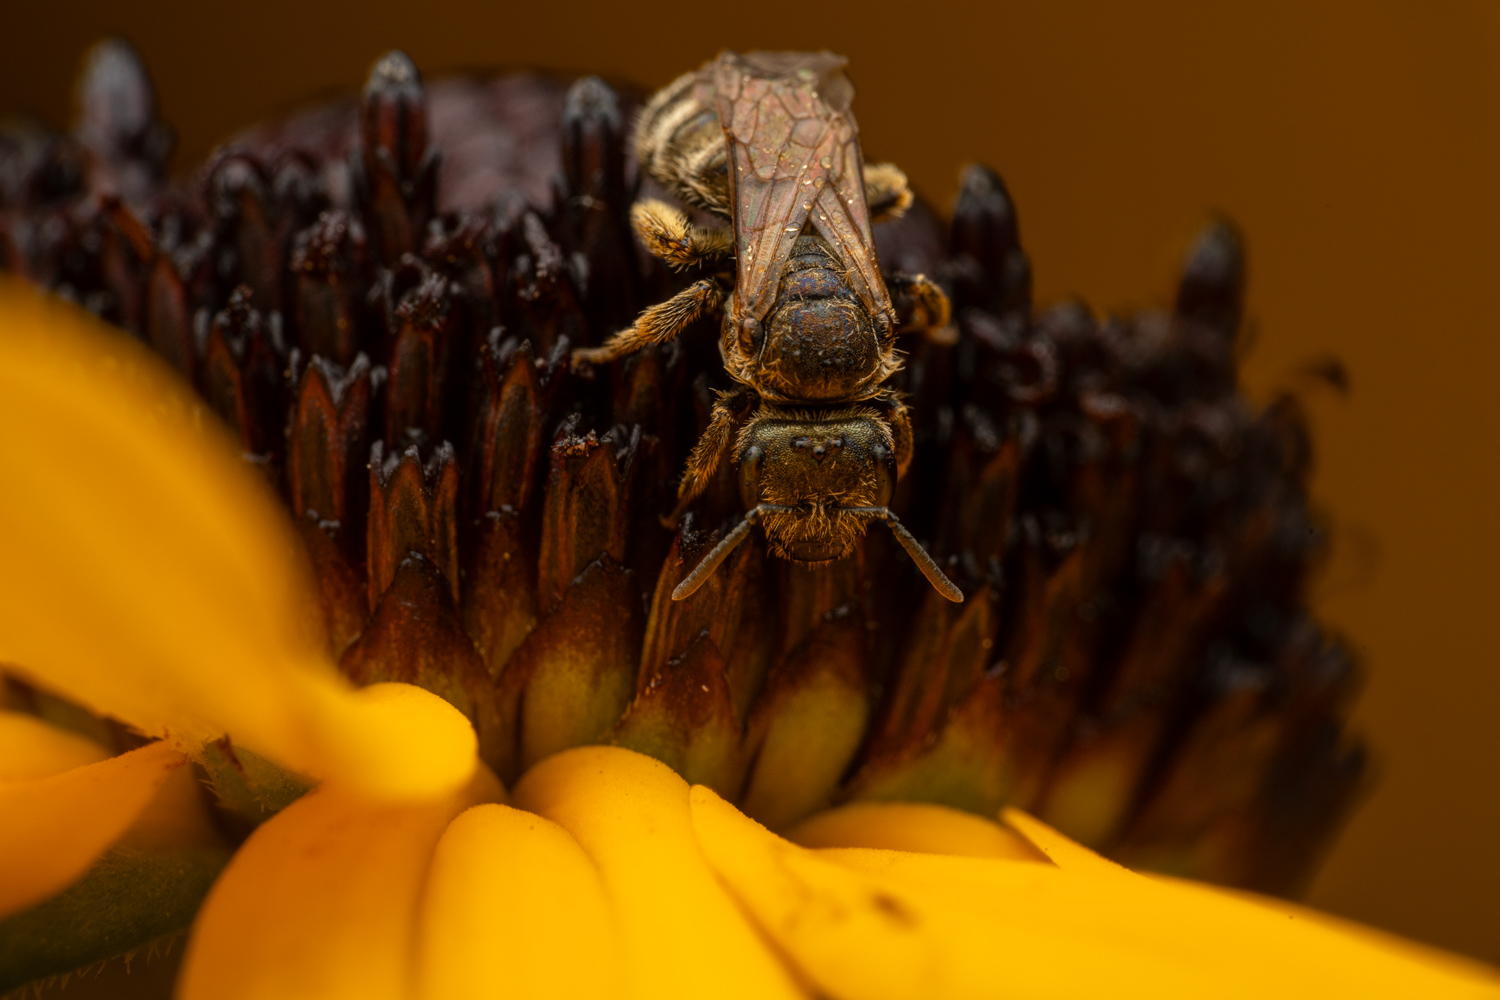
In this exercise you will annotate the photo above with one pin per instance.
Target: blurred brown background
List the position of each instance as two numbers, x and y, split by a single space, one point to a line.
1358 143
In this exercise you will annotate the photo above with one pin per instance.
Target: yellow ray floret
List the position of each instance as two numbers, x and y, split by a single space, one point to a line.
53 828
150 575
682 935
1061 851
514 907
878 925
321 902
31 749
913 826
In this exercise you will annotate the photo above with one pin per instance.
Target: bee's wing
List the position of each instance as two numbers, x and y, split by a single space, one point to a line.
793 150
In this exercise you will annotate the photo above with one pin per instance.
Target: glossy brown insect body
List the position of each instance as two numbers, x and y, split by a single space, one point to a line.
766 141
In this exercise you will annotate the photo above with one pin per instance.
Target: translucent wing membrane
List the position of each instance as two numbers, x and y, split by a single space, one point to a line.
793 158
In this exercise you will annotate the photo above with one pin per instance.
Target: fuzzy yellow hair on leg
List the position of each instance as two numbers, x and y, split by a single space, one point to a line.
931 313
887 191
668 234
658 324
709 451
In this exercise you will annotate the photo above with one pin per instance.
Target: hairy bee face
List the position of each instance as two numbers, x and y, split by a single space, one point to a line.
819 466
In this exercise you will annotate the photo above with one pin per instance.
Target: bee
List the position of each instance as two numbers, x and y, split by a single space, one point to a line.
766 142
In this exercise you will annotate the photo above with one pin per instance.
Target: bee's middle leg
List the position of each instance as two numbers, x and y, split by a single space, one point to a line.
658 324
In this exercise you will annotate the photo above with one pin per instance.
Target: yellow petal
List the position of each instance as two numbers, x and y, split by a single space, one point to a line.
880 924
912 826
150 575
862 935
1061 851
31 748
53 828
321 902
1072 856
1211 943
514 907
683 936
850 939
177 817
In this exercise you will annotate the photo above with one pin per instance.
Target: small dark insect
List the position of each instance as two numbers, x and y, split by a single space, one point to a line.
766 142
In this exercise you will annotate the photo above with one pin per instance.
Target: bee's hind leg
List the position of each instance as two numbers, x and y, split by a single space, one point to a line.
658 324
930 311
668 234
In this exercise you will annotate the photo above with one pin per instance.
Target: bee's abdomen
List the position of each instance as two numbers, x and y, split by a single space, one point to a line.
820 341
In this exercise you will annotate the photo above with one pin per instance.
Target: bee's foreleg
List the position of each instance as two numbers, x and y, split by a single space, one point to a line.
931 312
704 460
658 324
668 234
886 191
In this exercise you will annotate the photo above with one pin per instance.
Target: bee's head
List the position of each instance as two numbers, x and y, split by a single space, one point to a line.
815 464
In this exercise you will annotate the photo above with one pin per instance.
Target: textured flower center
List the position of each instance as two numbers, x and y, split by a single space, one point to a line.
379 298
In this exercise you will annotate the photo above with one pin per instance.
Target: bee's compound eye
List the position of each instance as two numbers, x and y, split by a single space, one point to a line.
752 459
750 335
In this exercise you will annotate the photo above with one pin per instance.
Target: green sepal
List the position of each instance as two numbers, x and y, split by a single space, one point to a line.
126 901
248 785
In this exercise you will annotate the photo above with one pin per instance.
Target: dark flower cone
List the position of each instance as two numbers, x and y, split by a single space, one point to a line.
328 433
807 726
415 636
571 678
569 681
394 172
542 298
593 196
413 508
586 511
426 334
169 327
356 286
242 376
514 398
685 709
240 201
343 594
331 272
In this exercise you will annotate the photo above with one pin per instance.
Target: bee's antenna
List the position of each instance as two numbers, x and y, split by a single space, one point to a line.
705 569
919 555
